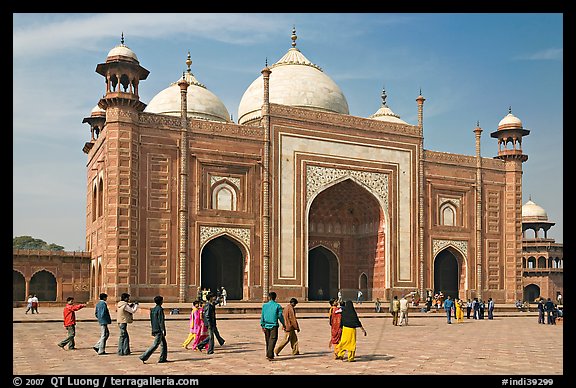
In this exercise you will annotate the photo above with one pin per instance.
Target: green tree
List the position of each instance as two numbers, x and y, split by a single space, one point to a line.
29 242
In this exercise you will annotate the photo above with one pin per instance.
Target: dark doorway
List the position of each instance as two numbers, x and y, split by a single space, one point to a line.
18 287
531 293
43 285
446 274
322 274
221 266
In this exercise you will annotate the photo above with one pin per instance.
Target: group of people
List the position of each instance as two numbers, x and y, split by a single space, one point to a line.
32 304
221 295
203 329
548 309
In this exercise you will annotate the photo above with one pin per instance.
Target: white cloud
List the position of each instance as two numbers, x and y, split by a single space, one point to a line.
84 32
543 55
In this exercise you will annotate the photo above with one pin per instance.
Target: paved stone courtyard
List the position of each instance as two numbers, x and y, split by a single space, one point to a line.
506 346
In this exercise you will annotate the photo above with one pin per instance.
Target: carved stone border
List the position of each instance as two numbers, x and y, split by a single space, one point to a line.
217 178
318 177
207 232
438 245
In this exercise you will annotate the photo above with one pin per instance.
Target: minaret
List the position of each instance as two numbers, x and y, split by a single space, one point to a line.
478 216
120 224
97 120
123 73
420 101
510 132
183 203
266 179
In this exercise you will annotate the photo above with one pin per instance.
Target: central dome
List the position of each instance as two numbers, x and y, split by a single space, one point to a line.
294 81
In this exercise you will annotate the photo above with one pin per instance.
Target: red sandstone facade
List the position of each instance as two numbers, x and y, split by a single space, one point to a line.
313 202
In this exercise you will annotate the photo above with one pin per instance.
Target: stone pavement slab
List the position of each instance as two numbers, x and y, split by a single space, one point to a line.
428 346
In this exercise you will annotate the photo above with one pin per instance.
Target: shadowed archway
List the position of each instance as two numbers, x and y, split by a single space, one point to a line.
323 274
222 263
446 274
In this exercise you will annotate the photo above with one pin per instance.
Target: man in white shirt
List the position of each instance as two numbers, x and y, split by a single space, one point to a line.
404 311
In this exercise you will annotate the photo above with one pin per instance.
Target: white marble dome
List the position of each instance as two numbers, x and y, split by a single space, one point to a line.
532 211
97 111
122 51
294 81
201 102
386 114
510 121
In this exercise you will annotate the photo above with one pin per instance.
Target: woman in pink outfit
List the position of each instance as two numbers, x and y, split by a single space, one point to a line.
200 331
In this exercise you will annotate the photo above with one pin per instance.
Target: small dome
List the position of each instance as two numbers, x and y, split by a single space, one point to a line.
533 212
97 111
385 113
122 52
510 121
201 102
294 81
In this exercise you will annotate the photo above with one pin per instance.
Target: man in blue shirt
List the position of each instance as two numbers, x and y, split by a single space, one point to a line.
271 314
448 305
103 314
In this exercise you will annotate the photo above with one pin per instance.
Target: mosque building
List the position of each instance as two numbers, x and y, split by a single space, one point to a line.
298 196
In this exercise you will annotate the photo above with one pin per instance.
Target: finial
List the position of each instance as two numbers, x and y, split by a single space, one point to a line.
294 37
122 39
420 91
478 123
510 109
188 61
231 118
266 62
184 75
384 95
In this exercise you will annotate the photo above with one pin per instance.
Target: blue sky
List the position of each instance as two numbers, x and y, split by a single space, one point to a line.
470 67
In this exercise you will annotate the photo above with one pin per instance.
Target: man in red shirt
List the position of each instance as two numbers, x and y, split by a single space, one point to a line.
70 322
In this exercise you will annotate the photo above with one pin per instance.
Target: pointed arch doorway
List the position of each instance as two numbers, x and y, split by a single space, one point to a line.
323 274
348 218
447 274
221 265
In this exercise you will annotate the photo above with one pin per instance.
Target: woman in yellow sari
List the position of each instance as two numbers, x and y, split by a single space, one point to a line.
349 323
192 334
459 311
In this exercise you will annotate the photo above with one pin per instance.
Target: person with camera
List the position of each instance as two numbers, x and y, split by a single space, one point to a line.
124 316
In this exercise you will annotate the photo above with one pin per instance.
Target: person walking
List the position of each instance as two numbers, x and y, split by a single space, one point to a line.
35 303
549 308
271 314
29 305
395 309
468 308
459 304
403 311
158 323
200 330
124 315
335 328
349 323
490 308
476 308
359 297
103 315
192 333
224 294
70 323
541 311
448 306
210 323
290 329
340 297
